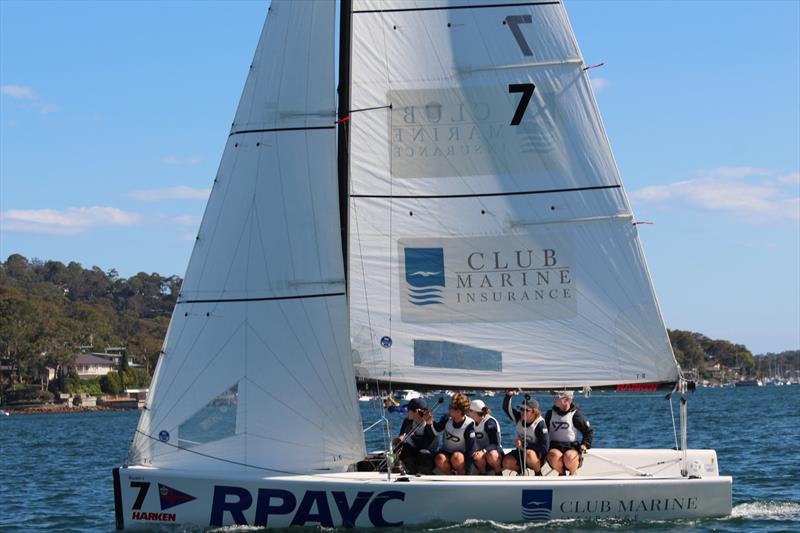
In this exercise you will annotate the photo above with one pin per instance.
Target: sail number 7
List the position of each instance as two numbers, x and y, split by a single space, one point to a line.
527 91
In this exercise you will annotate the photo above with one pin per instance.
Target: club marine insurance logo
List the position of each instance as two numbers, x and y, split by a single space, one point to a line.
512 278
537 504
425 275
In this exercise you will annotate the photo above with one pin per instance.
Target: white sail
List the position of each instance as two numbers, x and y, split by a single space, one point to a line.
256 371
490 237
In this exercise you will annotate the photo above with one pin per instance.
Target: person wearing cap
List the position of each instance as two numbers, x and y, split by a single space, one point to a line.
531 439
564 421
487 438
458 429
416 442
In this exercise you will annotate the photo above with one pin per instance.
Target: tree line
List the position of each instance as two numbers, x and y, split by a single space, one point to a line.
51 312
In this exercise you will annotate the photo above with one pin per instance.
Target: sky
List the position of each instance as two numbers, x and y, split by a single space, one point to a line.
114 115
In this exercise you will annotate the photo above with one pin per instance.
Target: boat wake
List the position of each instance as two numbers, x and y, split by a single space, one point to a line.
767 509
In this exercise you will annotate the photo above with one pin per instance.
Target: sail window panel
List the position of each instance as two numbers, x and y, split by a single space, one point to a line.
458 139
215 421
555 294
272 220
439 354
292 75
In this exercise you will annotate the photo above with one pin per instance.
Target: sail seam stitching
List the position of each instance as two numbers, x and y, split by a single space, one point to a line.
264 299
473 195
441 8
268 130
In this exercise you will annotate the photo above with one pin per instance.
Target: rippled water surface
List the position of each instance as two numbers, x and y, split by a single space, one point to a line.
55 470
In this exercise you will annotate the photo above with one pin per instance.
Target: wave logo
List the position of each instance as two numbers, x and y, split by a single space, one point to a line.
425 275
537 504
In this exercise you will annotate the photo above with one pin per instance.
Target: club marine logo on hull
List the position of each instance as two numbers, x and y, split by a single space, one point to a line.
537 504
425 275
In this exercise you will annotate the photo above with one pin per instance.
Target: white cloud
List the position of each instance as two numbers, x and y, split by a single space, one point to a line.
170 193
70 221
733 172
790 179
748 193
18 91
188 220
48 108
186 161
600 83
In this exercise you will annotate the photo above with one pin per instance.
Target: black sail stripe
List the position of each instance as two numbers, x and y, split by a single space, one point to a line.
268 130
264 299
441 8
477 195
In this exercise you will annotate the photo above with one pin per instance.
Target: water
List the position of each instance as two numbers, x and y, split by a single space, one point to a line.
55 470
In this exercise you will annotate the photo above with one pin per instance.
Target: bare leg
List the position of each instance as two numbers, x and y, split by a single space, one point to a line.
480 461
493 458
571 461
443 464
457 460
556 460
532 460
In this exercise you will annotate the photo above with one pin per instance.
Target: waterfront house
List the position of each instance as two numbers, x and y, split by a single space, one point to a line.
92 365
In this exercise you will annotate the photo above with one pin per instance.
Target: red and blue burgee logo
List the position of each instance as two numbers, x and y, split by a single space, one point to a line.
171 497
537 504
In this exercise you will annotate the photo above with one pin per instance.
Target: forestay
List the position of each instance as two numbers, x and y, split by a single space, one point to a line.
256 371
491 238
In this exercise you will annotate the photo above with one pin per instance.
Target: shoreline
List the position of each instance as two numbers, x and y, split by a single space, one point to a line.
51 408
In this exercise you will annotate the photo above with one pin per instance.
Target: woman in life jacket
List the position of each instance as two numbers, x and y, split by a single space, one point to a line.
416 441
458 444
487 438
531 439
564 421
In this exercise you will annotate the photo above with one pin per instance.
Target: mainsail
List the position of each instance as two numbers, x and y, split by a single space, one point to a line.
491 240
256 370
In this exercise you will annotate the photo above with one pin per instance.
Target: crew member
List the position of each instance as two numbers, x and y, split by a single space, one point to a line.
487 437
531 439
564 421
416 441
458 445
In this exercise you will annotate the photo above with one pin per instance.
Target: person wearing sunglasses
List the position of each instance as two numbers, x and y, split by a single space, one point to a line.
531 441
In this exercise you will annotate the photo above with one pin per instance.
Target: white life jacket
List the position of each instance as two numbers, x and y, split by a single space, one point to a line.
454 437
481 437
561 427
527 432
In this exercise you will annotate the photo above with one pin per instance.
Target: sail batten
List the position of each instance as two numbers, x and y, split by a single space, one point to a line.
492 241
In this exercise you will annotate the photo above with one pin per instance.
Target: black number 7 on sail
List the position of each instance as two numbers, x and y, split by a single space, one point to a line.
527 91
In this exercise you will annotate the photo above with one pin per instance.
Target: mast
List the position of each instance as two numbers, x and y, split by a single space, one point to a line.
345 33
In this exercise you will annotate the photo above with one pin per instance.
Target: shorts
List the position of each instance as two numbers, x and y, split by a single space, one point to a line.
564 446
516 452
449 454
491 448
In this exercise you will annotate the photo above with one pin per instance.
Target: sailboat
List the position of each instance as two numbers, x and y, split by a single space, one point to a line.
459 223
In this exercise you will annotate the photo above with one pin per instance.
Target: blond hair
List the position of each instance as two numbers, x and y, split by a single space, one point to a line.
460 402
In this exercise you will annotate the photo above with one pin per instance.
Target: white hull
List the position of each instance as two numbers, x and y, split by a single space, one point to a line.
152 497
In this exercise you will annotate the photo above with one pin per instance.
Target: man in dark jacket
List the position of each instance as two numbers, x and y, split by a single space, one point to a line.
564 421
